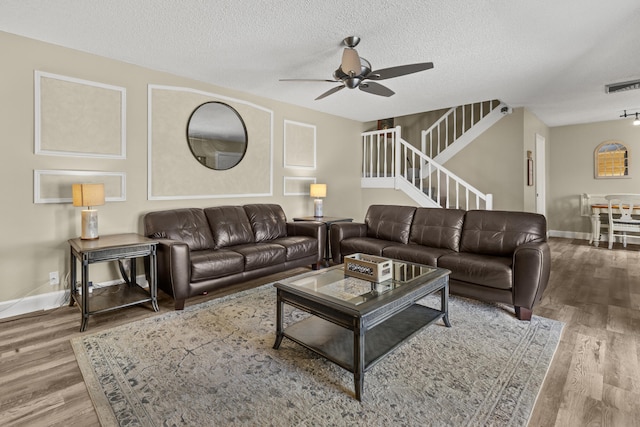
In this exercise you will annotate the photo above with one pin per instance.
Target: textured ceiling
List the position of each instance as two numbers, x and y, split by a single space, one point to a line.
551 56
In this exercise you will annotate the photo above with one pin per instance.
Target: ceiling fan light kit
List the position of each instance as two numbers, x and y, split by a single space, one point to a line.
350 62
354 70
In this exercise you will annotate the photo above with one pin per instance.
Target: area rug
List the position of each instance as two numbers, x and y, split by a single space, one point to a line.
213 365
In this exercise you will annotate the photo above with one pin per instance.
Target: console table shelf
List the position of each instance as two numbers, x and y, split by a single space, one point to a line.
113 297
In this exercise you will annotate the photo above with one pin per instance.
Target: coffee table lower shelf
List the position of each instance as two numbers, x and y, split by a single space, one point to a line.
336 343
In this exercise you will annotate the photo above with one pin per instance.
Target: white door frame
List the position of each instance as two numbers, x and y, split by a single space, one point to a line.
540 175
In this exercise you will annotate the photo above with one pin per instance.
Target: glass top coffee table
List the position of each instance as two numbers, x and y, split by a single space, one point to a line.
355 323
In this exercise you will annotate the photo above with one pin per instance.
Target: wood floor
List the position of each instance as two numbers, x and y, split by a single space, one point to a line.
594 379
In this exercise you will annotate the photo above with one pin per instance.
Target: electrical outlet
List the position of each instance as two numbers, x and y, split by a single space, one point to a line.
53 278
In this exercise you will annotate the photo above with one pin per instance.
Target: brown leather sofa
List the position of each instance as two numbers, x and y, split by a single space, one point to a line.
202 250
496 256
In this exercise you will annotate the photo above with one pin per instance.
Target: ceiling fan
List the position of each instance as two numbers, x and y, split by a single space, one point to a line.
355 72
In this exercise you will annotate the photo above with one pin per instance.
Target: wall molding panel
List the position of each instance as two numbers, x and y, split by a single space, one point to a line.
54 186
173 172
79 118
297 185
299 145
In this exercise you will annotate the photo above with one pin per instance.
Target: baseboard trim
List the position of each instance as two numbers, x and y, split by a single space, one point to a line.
570 234
633 240
34 303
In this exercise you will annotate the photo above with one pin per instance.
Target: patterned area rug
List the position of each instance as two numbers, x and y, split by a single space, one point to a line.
213 365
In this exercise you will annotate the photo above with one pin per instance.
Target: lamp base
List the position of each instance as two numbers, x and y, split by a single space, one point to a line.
89 224
317 208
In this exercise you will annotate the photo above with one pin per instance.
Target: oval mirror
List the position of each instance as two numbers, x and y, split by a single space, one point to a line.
217 135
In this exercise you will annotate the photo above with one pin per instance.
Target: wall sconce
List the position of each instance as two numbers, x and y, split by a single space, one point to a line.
88 195
318 191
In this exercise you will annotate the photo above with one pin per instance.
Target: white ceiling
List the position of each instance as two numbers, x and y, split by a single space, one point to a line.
551 56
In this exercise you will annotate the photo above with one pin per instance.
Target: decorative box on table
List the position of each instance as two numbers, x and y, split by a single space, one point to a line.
368 267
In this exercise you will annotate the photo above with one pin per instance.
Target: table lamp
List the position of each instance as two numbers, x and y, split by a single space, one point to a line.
318 191
88 195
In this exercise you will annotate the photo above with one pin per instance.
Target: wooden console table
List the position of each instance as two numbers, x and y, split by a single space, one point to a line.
115 247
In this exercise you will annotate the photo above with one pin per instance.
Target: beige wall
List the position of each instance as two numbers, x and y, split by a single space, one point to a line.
493 162
571 171
34 236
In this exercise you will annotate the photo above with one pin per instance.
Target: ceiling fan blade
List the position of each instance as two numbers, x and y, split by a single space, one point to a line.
330 92
310 80
401 70
376 89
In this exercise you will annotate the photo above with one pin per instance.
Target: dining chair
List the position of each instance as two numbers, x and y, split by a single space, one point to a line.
621 216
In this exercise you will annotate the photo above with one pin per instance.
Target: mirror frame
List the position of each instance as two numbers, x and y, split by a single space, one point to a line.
200 158
611 160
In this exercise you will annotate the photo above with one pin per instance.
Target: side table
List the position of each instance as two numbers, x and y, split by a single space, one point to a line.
115 247
328 220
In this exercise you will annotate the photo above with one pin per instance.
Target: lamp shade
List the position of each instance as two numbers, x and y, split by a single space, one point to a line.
351 64
318 190
88 194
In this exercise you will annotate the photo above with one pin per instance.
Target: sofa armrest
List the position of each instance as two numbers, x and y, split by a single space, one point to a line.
174 269
341 231
315 229
531 270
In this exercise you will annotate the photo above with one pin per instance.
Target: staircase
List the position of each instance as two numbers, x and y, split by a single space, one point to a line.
391 162
459 126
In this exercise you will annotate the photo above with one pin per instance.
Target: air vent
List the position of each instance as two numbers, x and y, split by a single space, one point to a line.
621 87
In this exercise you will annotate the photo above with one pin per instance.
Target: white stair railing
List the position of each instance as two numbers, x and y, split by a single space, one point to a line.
378 156
457 122
391 162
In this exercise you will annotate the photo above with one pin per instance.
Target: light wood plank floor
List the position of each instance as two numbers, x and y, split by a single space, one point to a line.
594 379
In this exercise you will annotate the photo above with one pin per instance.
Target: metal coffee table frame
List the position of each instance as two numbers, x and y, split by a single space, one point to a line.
356 337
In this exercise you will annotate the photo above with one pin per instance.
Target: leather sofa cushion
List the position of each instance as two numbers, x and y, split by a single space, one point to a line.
389 222
415 253
499 233
298 246
188 225
229 226
485 270
365 245
267 221
210 264
258 255
437 228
